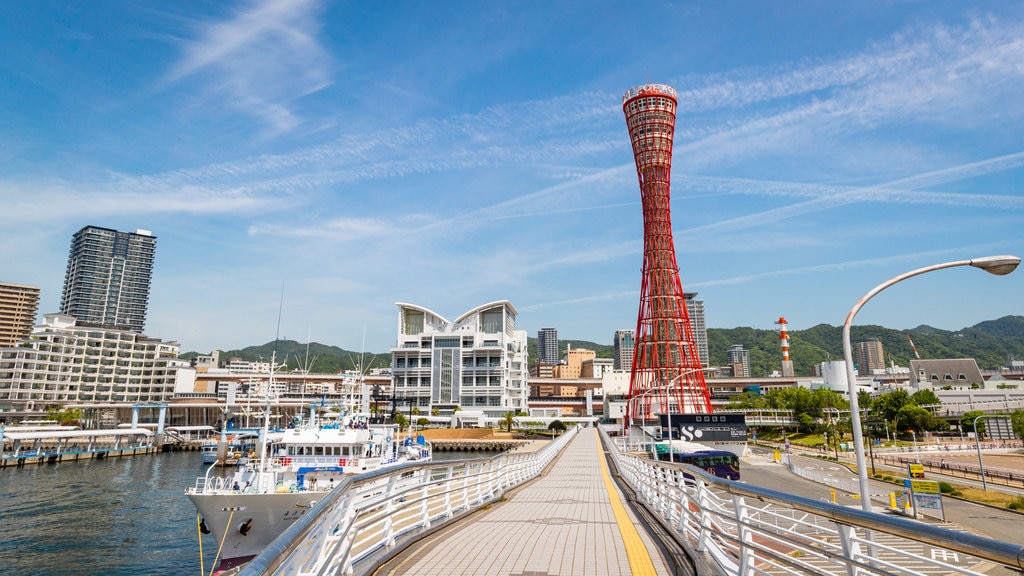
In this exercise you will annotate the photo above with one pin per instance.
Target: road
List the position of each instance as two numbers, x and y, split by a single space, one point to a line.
1004 525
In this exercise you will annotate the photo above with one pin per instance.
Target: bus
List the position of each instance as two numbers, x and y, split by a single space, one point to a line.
721 463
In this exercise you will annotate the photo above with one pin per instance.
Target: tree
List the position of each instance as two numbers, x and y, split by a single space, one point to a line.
508 420
423 422
913 417
402 421
557 426
967 422
1017 422
925 398
888 405
435 411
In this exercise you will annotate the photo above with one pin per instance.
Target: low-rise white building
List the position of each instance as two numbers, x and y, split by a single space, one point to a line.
477 363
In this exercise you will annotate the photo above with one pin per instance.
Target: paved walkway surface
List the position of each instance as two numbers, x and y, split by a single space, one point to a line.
569 521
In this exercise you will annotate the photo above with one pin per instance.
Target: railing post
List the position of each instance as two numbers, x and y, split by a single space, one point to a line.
744 534
851 549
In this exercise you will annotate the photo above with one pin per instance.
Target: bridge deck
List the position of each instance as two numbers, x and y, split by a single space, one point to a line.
570 521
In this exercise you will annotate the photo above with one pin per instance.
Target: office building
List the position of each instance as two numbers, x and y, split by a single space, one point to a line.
869 356
547 346
572 364
18 306
623 347
739 361
477 363
108 277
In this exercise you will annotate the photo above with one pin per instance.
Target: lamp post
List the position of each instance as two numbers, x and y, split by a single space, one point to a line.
998 265
977 444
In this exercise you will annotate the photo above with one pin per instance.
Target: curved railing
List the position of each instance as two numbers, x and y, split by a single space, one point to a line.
734 528
370 517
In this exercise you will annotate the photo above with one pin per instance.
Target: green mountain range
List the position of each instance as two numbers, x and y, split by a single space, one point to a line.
992 343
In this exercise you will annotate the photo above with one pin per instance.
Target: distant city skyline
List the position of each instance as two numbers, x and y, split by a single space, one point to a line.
318 162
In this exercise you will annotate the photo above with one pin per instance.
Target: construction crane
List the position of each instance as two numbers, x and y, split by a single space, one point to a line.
914 348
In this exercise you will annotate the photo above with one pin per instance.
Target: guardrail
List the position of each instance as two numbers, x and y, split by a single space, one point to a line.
370 517
733 528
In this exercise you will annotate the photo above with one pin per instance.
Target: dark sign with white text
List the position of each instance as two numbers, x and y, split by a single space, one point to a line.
705 427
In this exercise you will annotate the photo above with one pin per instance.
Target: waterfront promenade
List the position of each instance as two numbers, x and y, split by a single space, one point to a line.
572 520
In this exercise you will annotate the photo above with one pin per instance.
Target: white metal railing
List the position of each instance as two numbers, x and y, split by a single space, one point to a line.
732 528
371 516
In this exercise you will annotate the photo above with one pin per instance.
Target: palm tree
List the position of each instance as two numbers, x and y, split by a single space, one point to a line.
508 420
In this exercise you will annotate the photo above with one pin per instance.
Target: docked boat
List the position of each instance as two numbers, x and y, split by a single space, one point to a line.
264 496
236 446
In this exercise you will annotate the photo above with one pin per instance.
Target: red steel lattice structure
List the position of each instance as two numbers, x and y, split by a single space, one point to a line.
666 375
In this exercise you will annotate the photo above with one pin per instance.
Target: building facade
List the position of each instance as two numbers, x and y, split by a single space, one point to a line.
18 307
477 363
870 356
64 363
547 346
572 364
108 278
700 326
623 349
739 360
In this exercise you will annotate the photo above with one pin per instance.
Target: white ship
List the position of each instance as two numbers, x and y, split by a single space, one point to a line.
264 496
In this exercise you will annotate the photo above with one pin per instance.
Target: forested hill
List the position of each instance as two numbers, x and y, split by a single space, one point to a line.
991 343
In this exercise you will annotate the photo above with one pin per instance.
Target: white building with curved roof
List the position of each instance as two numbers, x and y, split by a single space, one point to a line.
477 363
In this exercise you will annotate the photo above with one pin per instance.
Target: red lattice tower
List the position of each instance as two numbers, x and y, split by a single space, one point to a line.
666 377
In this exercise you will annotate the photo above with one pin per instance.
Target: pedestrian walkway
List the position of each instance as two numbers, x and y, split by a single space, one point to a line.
572 520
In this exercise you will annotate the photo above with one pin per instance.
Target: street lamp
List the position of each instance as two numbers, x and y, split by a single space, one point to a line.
981 463
998 265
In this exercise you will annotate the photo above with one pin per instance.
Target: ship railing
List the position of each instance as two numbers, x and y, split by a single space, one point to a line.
734 528
370 517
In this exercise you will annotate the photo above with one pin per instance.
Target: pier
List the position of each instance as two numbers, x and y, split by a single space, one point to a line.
587 505
571 520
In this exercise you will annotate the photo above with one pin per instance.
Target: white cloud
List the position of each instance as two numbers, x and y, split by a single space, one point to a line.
259 61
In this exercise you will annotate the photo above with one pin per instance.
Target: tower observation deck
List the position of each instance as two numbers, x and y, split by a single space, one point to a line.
666 375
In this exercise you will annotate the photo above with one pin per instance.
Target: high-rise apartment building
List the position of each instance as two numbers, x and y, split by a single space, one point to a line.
700 327
476 363
18 306
108 276
870 356
739 360
623 346
547 346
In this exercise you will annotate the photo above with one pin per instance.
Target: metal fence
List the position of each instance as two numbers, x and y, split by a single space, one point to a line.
733 528
370 517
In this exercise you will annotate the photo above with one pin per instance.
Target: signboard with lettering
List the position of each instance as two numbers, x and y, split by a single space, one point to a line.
926 496
922 486
915 470
705 427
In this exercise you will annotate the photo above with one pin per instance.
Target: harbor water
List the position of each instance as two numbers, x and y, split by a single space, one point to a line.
120 516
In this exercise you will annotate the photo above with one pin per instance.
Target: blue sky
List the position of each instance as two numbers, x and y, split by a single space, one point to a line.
345 156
